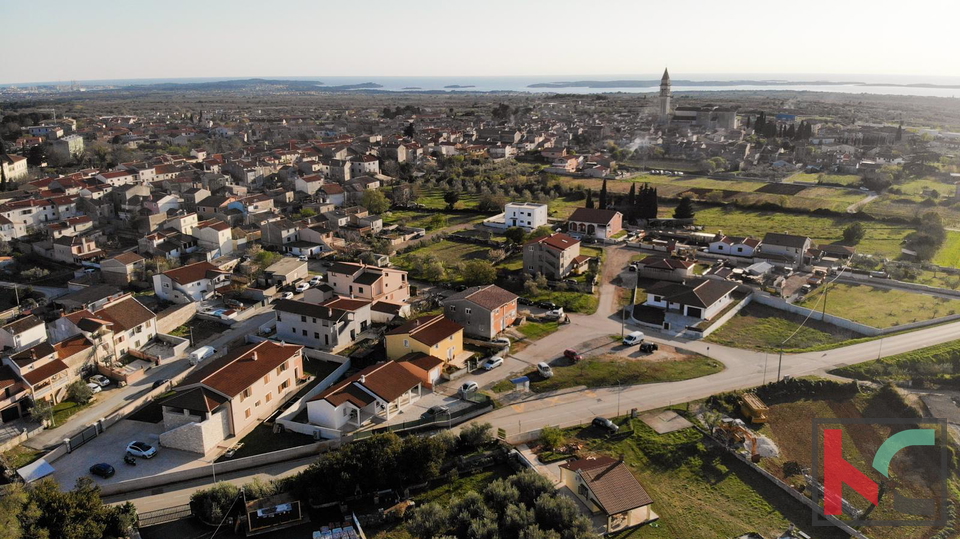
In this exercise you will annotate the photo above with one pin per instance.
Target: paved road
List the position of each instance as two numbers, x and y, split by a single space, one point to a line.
49 291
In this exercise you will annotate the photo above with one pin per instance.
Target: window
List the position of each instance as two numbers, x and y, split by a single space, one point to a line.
246 414
266 379
281 368
303 332
406 343
269 397
467 310
453 308
303 318
256 404
284 385
245 394
316 335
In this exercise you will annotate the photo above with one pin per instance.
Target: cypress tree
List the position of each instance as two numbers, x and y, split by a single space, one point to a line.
589 203
603 195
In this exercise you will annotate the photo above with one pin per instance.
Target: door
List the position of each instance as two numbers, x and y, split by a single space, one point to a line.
695 312
10 413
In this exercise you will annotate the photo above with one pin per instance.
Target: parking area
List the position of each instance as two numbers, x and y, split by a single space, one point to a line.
110 447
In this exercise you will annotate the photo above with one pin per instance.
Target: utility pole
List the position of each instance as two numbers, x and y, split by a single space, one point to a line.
623 321
823 313
880 351
618 398
780 362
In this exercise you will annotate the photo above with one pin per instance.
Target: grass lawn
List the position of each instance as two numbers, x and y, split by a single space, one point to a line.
433 198
450 253
881 238
574 302
698 491
538 330
759 327
949 253
880 307
447 492
606 370
21 455
66 409
909 207
938 279
263 440
936 364
835 179
420 219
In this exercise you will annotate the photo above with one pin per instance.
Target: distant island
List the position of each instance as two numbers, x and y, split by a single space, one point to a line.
458 86
411 88
251 85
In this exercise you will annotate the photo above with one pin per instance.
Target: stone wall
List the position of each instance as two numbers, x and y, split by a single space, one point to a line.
173 317
195 437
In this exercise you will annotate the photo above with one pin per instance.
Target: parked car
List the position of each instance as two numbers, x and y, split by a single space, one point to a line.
605 424
303 258
492 363
525 301
501 341
103 470
95 387
555 314
327 263
649 347
435 411
100 380
201 353
467 388
142 450
286 295
315 280
632 267
302 286
634 338
572 355
549 305
544 370
159 383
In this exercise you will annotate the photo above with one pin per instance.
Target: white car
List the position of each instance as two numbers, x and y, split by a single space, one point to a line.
286 295
468 387
634 338
142 450
544 370
302 287
492 363
94 387
303 258
501 341
555 314
315 280
100 380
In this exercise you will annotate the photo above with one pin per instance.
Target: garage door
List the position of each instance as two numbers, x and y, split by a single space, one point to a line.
10 413
695 312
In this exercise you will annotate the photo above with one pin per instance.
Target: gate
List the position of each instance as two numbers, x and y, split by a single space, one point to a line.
160 516
83 437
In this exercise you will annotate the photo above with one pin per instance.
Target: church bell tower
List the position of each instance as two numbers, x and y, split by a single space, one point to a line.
665 95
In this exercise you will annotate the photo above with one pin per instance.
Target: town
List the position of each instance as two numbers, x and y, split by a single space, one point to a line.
356 313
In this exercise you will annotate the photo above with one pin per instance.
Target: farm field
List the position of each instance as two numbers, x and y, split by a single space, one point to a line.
880 307
835 179
949 253
881 238
908 207
449 252
422 219
759 327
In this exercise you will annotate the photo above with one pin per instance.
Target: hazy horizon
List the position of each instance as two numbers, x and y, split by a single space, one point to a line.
244 39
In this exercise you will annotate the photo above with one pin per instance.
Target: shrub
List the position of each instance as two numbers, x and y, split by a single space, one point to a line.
551 437
79 392
212 504
476 434
428 520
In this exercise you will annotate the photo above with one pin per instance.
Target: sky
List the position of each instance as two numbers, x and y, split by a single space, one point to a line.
56 40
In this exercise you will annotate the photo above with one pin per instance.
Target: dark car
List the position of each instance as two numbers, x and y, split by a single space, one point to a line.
103 470
605 424
435 411
159 383
549 305
525 301
572 355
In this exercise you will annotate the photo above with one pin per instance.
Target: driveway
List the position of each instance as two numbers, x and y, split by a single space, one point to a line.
110 448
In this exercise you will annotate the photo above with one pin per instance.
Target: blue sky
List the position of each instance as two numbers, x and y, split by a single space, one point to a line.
93 39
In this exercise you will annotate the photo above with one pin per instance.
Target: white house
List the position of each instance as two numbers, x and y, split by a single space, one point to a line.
732 245
22 333
193 282
525 215
331 325
700 298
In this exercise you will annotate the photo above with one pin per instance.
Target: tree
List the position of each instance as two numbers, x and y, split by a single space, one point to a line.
603 195
684 209
531 486
491 202
79 392
589 202
428 520
632 196
42 410
409 130
37 156
265 259
78 513
476 434
479 272
499 495
647 204
212 505
551 437
515 235
853 233
451 198
540 232
438 220
375 201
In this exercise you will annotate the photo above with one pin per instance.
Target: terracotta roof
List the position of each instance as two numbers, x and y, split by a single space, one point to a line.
23 324
127 258
386 380
489 297
558 241
345 304
125 313
785 240
422 361
72 346
232 373
665 263
612 484
35 352
45 371
429 329
192 273
593 215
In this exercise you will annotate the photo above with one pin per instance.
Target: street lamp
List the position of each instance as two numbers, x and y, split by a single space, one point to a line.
618 398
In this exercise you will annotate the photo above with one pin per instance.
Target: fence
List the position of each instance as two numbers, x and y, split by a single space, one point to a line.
286 419
87 434
171 318
26 434
160 516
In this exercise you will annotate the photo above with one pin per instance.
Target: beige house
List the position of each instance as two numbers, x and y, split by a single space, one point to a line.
120 270
230 395
555 256
121 325
608 488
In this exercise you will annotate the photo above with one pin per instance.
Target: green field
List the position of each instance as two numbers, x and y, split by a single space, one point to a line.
606 370
538 330
908 207
422 219
759 327
574 302
935 364
835 179
881 238
449 252
949 253
878 307
433 198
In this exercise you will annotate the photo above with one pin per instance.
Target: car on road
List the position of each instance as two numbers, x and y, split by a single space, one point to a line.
142 450
103 470
572 355
327 263
435 411
302 287
467 388
634 338
492 363
605 424
315 280
159 383
525 301
549 305
544 370
100 380
303 258
286 295
201 353
555 314
501 341
94 387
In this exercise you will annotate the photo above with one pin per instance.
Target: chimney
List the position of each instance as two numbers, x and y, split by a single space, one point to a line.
254 356
363 378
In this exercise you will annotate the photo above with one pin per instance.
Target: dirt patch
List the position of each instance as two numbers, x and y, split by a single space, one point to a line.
665 421
781 189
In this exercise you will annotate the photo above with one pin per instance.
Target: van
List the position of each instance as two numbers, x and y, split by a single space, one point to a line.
201 353
634 338
544 370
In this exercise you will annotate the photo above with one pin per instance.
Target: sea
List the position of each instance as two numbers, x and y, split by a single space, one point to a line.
935 86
